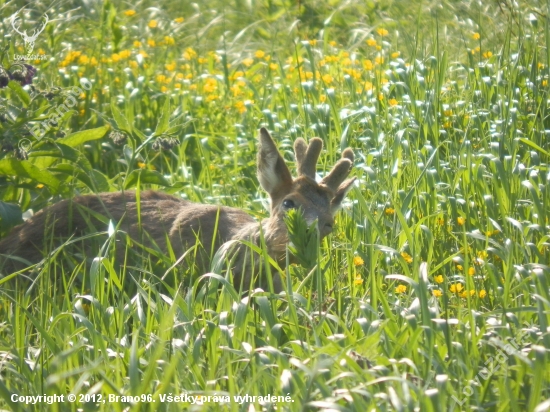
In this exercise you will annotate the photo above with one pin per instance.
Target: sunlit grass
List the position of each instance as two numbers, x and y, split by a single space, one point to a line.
438 260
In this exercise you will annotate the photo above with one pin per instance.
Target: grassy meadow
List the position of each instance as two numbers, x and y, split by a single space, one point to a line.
431 294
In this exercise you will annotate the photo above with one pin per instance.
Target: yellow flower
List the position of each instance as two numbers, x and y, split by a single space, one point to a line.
389 211
395 55
151 43
487 54
130 13
408 258
313 42
380 96
358 261
461 220
367 64
169 40
189 54
248 62
332 43
170 66
401 289
456 288
471 271
327 78
153 24
137 44
179 19
379 60
459 268
447 112
240 106
141 165
545 83
476 36
273 66
259 54
358 280
164 89
39 186
371 42
393 102
382 32
439 278
437 293
482 293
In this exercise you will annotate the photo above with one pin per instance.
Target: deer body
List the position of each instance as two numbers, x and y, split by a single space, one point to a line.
165 218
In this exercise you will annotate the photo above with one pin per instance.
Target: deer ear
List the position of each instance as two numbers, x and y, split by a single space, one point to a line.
340 194
273 173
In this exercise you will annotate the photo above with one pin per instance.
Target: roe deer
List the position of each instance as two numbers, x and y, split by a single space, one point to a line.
165 218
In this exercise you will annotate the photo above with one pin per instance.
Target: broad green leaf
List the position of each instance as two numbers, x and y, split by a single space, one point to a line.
84 136
23 168
145 176
10 215
20 92
120 120
164 118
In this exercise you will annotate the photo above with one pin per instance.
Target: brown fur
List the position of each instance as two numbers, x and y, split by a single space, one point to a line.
165 217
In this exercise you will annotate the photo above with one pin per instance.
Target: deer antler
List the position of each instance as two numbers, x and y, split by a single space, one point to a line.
307 156
16 28
36 32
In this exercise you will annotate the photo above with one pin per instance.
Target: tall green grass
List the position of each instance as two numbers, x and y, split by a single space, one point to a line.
434 292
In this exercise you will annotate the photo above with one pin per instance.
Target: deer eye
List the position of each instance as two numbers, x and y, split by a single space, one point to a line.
288 204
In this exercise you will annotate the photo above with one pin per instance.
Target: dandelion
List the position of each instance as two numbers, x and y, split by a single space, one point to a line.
461 220
358 261
408 258
153 24
437 293
129 13
482 293
358 280
476 36
438 278
393 102
456 288
382 32
401 289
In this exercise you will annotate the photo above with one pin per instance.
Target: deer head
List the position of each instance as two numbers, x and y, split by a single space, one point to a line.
29 39
317 200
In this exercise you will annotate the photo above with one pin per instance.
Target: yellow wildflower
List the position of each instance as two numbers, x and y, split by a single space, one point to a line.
259 54
358 261
437 293
476 36
408 258
382 32
248 62
371 42
179 19
461 220
456 288
393 102
439 278
471 271
358 280
129 13
482 293
153 24
401 289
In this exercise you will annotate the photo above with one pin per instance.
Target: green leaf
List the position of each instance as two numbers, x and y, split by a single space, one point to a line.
534 146
95 180
20 92
10 215
23 168
84 136
145 176
120 120
164 118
